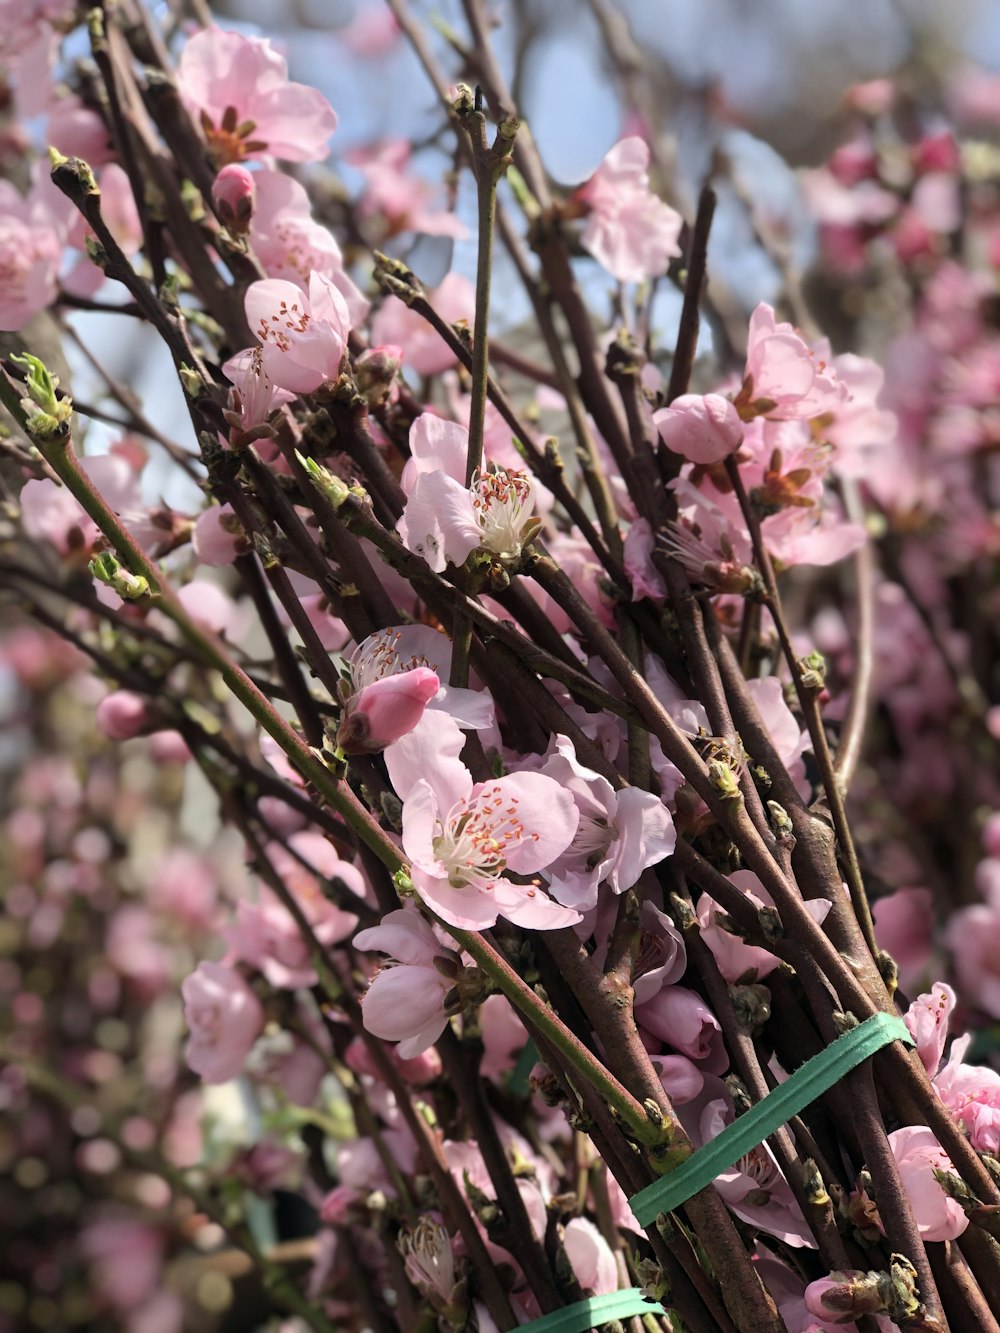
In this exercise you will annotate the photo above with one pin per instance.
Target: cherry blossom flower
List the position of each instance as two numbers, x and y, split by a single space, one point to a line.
786 373
618 836
703 429
302 334
398 650
225 1019
631 232
238 89
254 396
680 1017
234 197
590 1256
217 537
972 1094
754 1188
123 714
424 349
444 520
292 245
405 999
462 837
927 1019
386 710
398 194
918 1155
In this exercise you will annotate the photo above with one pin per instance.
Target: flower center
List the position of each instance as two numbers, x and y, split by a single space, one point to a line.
230 141
476 835
502 502
378 657
592 839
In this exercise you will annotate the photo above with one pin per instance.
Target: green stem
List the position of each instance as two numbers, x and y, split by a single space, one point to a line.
489 165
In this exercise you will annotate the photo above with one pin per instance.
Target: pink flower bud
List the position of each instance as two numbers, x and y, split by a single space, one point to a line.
386 710
234 195
702 429
844 1297
122 715
169 747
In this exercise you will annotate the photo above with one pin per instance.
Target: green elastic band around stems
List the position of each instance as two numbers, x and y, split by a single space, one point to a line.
808 1082
526 1061
591 1314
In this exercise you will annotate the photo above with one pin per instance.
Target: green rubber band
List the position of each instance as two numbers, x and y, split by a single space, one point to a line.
808 1082
591 1314
526 1061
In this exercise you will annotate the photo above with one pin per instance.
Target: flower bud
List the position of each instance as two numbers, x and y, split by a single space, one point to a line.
122 715
234 195
702 429
375 373
387 709
842 1298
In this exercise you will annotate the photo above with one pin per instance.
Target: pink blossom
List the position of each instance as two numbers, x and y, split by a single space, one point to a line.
265 935
76 131
973 936
972 1094
618 836
736 959
918 1154
444 520
461 836
122 715
302 334
786 372
590 1256
631 232
400 196
50 513
904 923
423 348
503 1036
386 710
128 1258
238 90
217 537
703 429
373 32
119 211
680 1017
225 1019
927 1019
754 1188
405 1000
292 245
253 397
399 649
32 234
234 196
637 552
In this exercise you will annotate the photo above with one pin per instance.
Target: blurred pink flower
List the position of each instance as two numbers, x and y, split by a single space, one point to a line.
972 1094
398 194
631 232
32 235
904 923
225 1019
238 90
424 350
